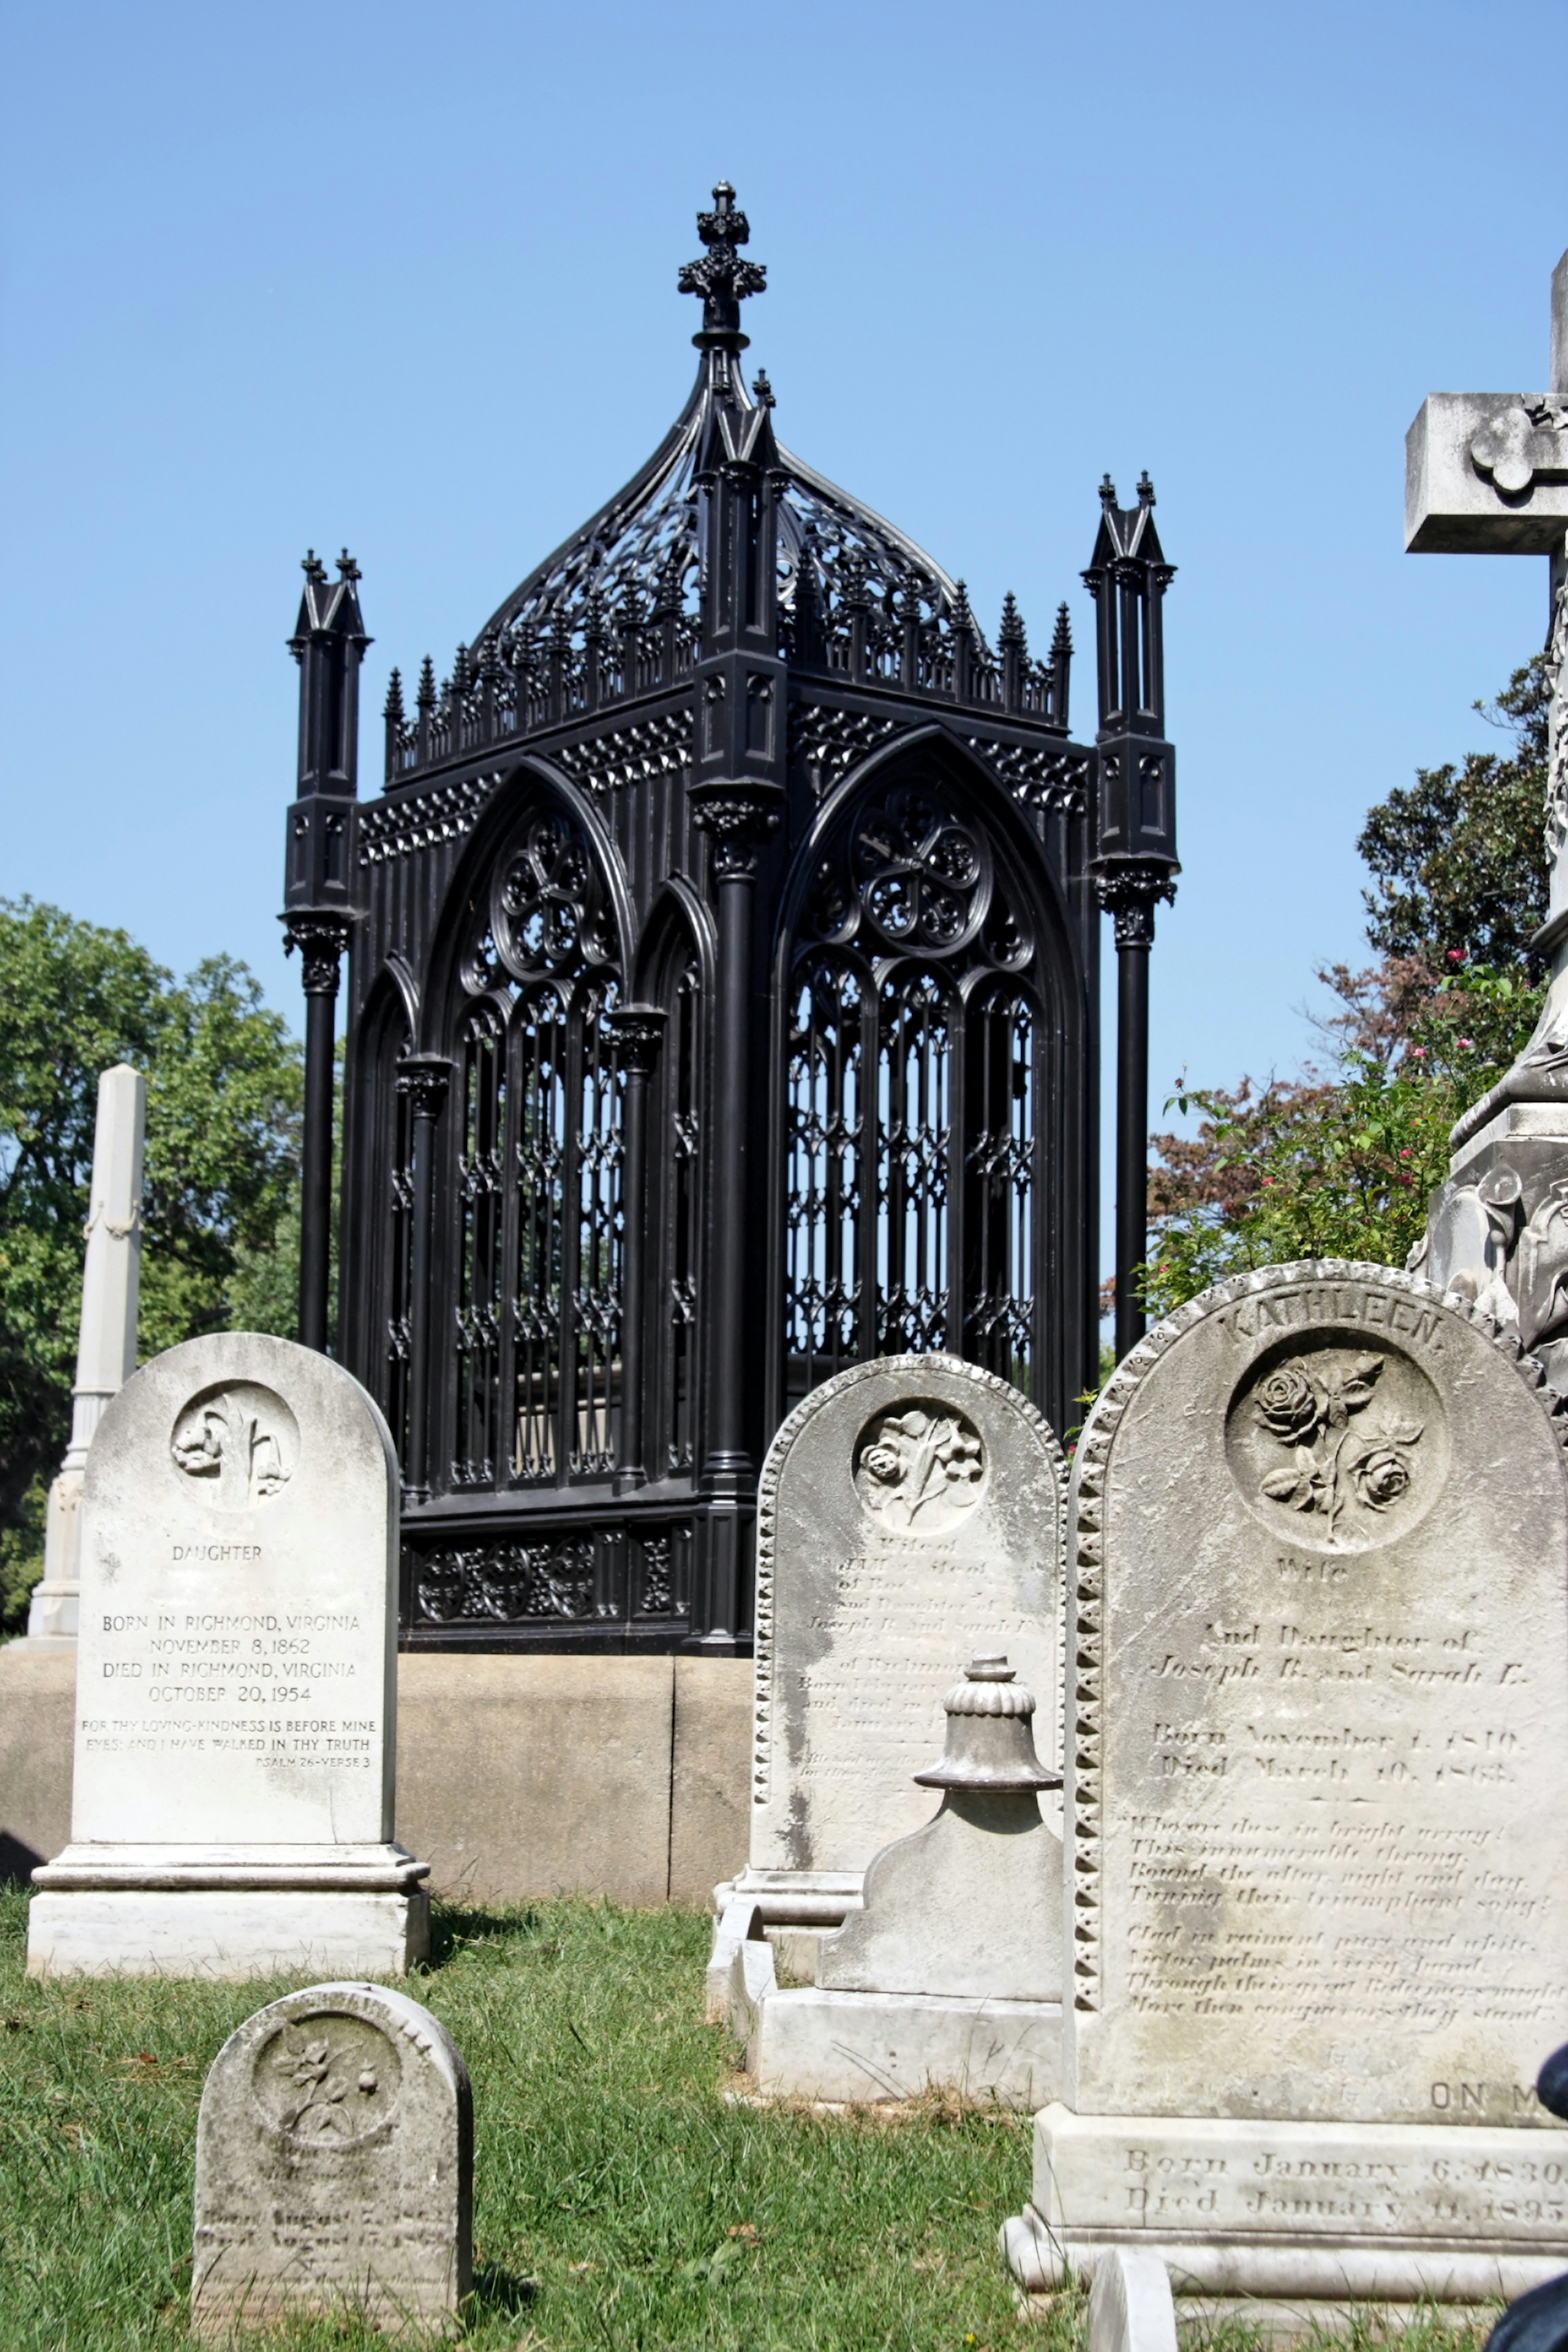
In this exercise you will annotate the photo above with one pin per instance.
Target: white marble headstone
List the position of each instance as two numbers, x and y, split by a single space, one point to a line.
334 2167
1318 1794
910 1514
235 1677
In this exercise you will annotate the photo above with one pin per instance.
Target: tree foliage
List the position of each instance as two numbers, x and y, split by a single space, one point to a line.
1336 1166
223 1114
1340 1162
1458 859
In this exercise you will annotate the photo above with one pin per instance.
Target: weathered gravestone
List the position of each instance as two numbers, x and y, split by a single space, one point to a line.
910 1512
334 2167
1317 1803
231 1808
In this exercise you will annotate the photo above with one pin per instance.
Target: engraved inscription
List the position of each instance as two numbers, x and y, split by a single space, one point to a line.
239 1442
1336 1446
920 1468
1314 2180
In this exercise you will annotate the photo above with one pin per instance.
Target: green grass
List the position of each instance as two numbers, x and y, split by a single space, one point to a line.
620 2200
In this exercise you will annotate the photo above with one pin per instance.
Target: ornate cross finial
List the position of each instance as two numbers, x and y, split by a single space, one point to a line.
761 390
314 570
721 277
347 568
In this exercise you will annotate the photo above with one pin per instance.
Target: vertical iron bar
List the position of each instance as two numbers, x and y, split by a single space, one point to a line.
425 1077
1134 938
637 1030
316 1172
737 817
320 938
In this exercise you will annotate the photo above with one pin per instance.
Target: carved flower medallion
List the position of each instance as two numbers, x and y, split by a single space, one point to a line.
1338 1447
327 2083
920 1468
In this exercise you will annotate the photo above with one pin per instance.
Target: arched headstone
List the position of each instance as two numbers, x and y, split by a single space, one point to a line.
334 2166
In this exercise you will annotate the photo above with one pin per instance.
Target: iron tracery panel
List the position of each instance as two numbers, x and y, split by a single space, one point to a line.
539 1190
911 1148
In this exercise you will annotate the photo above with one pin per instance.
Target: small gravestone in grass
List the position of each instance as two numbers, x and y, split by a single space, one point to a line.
334 2167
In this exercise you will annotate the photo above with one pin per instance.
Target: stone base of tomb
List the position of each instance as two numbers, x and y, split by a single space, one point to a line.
868 2048
220 1911
1289 2213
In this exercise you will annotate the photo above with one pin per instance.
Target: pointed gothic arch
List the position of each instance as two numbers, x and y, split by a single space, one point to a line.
930 1040
533 1199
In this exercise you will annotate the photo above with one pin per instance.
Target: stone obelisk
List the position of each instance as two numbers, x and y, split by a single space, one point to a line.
106 1349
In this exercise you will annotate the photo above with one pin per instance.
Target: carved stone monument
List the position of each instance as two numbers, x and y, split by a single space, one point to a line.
232 1807
106 1347
950 1975
334 2167
1316 1810
1487 473
910 1511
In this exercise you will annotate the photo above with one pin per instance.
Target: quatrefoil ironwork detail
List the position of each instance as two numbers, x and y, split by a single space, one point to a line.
919 873
549 913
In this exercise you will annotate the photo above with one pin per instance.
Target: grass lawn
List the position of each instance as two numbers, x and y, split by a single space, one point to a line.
619 2199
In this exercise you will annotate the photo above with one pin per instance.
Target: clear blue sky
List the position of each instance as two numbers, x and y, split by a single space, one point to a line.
404 278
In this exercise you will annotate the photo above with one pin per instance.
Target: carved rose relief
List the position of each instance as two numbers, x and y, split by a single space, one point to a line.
1347 1446
239 1442
327 2083
919 1469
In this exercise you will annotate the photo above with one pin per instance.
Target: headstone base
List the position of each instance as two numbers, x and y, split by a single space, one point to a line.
1337 2213
1273 2322
865 2048
151 1911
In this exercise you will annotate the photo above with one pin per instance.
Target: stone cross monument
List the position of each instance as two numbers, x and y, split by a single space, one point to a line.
1487 473
106 1349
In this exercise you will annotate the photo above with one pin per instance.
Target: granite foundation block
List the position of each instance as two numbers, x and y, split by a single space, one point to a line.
517 1776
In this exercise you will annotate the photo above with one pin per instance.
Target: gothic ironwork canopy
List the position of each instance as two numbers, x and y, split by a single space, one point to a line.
722 1008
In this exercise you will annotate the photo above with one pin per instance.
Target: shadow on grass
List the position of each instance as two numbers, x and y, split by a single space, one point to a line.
500 2292
456 1928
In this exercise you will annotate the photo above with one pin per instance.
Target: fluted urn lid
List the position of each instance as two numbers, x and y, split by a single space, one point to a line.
989 1741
